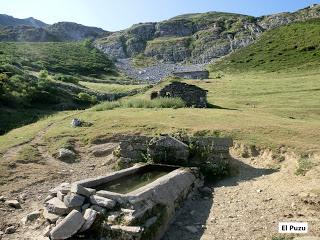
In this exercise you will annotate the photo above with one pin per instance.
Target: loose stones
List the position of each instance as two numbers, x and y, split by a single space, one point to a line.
102 202
69 226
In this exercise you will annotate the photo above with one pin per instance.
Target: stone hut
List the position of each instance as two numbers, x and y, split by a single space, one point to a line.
204 74
190 94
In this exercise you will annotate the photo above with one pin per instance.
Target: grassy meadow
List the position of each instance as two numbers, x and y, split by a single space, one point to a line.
270 110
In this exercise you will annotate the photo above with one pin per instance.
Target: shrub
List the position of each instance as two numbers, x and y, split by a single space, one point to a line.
43 74
85 97
107 106
304 165
66 78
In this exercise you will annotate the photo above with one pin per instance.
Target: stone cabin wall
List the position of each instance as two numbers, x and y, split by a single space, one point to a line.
192 95
192 74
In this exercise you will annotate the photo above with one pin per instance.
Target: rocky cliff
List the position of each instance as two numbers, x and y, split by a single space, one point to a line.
196 38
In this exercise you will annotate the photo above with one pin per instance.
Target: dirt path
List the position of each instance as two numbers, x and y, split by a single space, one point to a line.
249 206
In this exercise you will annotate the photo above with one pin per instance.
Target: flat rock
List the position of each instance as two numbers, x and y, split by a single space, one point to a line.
73 200
31 217
51 217
89 217
103 149
132 231
69 226
103 202
91 190
78 189
56 206
13 203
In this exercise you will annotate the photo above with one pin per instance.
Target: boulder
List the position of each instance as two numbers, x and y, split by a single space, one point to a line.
168 150
69 226
89 217
76 122
13 203
102 202
73 200
56 206
66 154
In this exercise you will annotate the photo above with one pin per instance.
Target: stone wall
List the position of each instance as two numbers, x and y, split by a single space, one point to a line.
192 95
169 150
133 148
192 75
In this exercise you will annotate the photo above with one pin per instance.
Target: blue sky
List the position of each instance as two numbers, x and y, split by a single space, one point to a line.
119 14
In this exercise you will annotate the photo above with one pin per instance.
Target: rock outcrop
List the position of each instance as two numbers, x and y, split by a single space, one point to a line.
196 38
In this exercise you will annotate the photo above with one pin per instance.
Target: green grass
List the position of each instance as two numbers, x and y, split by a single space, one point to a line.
141 103
29 154
289 48
112 88
62 57
304 165
267 110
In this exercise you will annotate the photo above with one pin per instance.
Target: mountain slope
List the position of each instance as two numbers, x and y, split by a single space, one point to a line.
33 30
66 31
293 46
28 91
196 38
6 20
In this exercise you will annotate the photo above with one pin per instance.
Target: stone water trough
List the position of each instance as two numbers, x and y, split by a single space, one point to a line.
131 204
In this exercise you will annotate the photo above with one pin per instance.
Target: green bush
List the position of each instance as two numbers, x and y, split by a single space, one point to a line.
66 78
85 97
43 74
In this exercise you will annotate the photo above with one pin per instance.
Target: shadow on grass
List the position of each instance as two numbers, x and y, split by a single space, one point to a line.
195 211
14 118
211 106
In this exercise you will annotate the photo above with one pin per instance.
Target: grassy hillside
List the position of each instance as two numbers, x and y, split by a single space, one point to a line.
292 47
66 57
37 79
